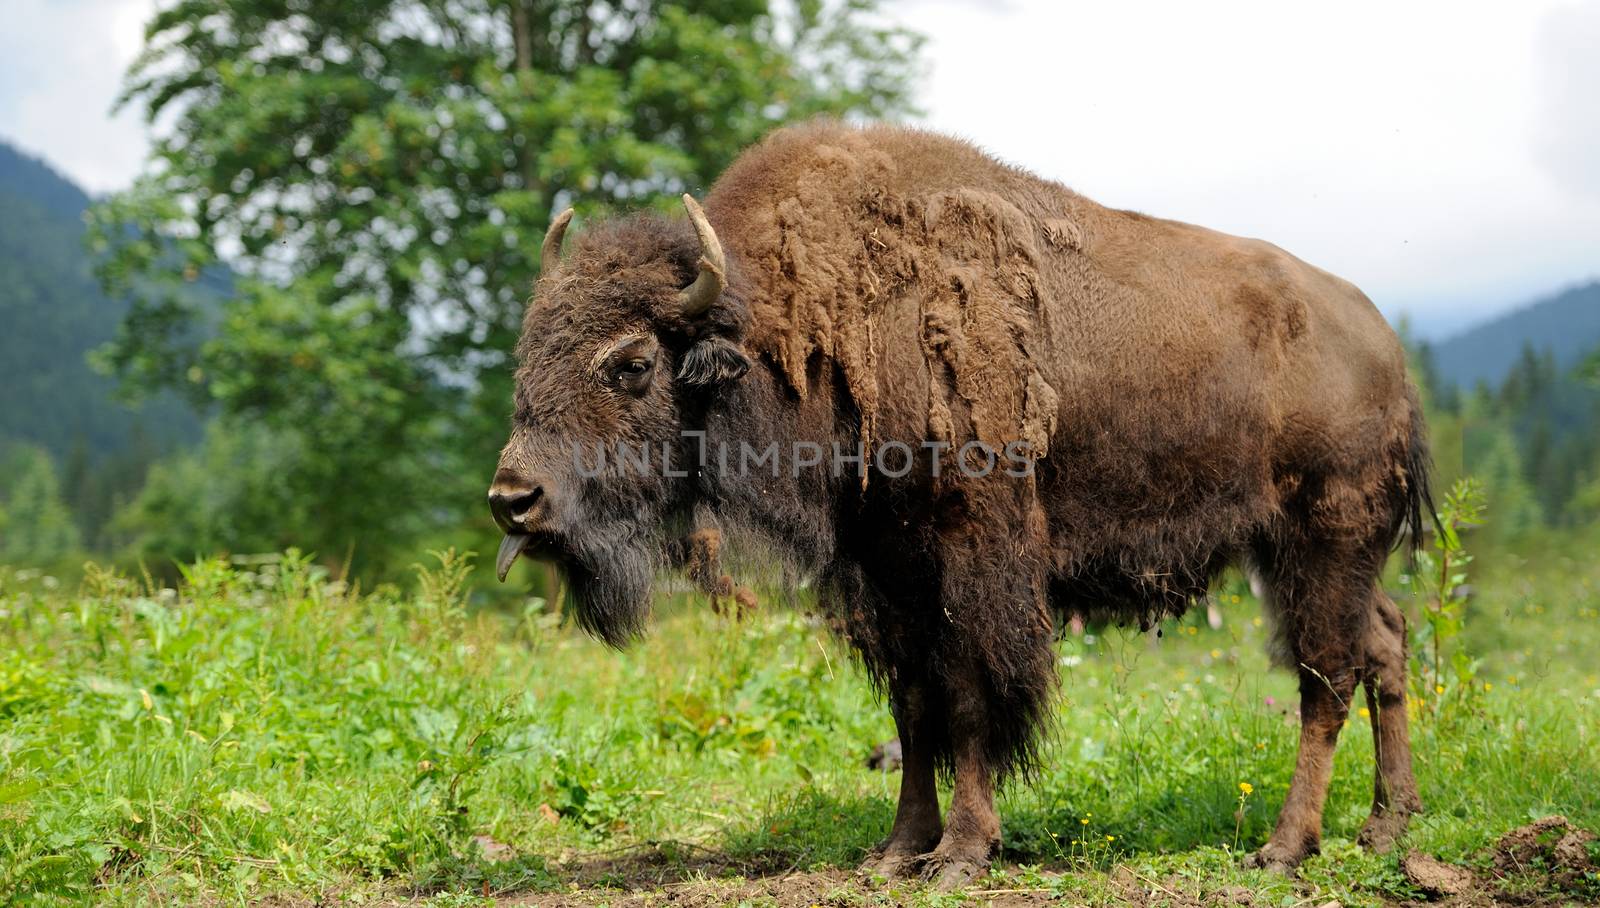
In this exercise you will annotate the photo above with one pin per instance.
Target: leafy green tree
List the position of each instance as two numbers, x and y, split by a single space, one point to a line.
1586 500
1436 392
36 527
243 490
1517 509
379 174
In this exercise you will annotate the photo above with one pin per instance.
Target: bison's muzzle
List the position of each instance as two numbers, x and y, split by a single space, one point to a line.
520 508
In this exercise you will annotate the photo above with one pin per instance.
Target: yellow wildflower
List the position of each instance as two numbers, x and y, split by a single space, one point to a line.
1245 788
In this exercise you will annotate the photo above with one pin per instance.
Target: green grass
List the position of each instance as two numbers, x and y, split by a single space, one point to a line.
264 731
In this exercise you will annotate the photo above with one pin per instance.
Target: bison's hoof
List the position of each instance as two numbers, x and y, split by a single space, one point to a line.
1382 830
892 865
949 872
1274 858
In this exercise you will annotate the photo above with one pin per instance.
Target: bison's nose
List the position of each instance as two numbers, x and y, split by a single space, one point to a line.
516 504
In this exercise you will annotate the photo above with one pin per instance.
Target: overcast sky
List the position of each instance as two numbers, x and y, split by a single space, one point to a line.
1443 155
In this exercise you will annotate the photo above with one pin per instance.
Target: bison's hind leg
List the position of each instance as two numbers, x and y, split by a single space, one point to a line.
1320 574
1394 790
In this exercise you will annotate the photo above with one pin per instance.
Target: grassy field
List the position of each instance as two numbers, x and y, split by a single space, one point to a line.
263 733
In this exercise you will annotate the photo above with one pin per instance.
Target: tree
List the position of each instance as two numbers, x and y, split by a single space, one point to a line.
242 491
1499 467
37 528
379 174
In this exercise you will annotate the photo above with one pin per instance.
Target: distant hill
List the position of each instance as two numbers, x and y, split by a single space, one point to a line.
31 180
53 313
1567 325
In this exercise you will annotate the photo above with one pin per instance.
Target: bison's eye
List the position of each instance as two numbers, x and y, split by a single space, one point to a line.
630 365
632 373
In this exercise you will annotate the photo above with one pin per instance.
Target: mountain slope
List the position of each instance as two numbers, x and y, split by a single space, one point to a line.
1567 325
53 314
28 179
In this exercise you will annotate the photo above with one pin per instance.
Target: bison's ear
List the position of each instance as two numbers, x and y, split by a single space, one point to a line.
711 361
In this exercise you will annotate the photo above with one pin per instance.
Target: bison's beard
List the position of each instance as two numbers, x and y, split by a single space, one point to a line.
609 582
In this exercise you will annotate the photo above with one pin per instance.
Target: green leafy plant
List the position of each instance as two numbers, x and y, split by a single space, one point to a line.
579 790
1437 582
442 590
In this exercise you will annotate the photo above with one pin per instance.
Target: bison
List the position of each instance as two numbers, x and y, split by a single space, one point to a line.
866 317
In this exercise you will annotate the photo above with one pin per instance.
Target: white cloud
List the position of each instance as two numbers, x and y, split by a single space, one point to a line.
61 65
1568 130
1392 143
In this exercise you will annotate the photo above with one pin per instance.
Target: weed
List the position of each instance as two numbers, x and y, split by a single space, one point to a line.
1437 581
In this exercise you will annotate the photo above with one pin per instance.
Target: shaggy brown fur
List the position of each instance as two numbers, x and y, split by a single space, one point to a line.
1193 400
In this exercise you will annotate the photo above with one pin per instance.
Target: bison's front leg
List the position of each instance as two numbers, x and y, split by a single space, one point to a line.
972 831
916 820
972 836
996 670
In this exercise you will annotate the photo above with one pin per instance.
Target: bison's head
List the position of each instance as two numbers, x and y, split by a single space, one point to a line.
621 348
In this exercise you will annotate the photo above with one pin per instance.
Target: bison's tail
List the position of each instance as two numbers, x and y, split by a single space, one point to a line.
1415 496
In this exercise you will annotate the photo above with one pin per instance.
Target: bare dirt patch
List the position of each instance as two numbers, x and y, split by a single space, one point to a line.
796 889
1435 877
1547 862
1541 865
1551 847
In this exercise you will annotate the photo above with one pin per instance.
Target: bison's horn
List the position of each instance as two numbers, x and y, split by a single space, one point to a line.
696 298
550 252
